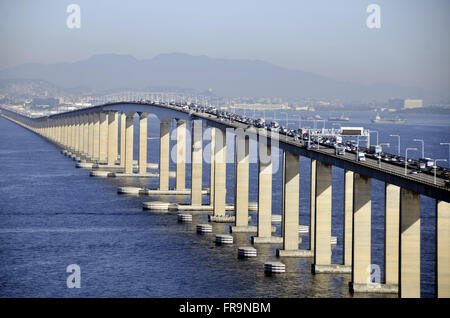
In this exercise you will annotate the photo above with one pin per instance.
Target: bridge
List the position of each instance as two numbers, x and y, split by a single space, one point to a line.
94 138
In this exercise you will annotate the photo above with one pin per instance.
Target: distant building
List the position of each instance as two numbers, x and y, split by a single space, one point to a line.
405 103
396 103
413 103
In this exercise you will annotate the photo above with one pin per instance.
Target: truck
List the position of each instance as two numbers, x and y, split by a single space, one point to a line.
375 150
339 149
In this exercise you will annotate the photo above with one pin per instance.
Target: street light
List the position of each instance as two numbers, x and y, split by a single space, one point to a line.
398 142
448 144
406 158
379 156
423 146
435 167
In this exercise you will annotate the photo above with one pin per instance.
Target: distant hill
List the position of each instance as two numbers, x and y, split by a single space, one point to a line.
227 77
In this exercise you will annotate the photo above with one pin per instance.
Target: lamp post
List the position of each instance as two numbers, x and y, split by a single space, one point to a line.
406 158
379 156
448 144
398 142
435 167
423 146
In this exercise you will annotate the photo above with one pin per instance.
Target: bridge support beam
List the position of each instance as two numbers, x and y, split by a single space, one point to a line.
90 151
86 135
129 132
312 206
196 162
361 262
442 249
264 230
241 181
391 234
220 163
123 123
409 275
348 217
290 218
143 132
164 159
323 196
212 150
96 136
181 155
113 136
103 138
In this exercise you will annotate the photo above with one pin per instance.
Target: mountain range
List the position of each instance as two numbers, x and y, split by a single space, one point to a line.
226 77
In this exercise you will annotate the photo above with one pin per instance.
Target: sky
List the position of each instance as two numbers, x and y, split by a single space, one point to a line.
327 37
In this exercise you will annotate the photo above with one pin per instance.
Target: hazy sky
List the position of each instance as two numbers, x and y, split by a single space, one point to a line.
328 37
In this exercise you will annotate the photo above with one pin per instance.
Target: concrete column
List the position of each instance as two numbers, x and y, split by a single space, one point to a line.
113 137
69 132
290 219
241 180
96 135
74 132
312 206
143 132
181 155
409 275
86 135
79 135
103 138
212 165
129 144
264 190
442 249
220 165
348 217
91 136
164 155
123 119
391 233
362 200
322 245
196 162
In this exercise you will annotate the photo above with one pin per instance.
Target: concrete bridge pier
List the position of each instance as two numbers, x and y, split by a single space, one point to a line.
264 227
290 203
181 155
348 218
143 132
409 256
322 219
219 198
391 237
361 262
196 162
113 138
164 154
123 124
103 138
442 249
96 136
129 132
241 181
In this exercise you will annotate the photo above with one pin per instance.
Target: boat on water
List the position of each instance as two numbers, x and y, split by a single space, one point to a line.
340 118
379 120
